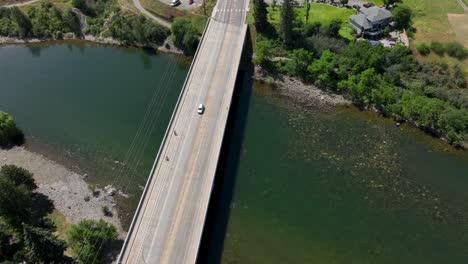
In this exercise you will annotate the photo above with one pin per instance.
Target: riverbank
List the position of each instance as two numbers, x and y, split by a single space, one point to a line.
312 96
168 46
297 91
67 189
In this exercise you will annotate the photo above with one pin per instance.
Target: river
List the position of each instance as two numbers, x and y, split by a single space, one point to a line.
295 185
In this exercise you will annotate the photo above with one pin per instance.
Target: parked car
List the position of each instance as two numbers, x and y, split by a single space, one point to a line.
367 5
175 3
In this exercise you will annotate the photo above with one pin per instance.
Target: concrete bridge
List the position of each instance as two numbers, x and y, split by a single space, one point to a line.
170 217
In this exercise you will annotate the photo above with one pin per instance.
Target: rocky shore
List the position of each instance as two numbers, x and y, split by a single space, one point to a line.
68 190
304 94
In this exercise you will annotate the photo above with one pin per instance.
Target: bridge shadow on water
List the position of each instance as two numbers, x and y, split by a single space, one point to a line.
214 232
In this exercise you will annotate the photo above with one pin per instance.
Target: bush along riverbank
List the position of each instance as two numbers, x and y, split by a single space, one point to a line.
102 21
434 97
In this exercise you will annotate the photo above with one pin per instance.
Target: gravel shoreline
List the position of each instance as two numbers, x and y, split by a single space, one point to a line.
67 189
304 94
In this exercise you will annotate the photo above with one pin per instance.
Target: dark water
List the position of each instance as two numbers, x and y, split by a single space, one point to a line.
343 186
295 185
82 104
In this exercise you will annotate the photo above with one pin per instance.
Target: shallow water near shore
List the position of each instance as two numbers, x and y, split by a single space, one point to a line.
295 186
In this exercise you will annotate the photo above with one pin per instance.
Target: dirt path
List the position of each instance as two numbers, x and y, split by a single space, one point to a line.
148 14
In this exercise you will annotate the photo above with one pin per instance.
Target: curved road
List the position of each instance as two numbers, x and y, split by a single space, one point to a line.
148 14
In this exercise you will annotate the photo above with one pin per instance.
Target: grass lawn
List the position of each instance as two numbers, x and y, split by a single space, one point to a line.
432 24
322 13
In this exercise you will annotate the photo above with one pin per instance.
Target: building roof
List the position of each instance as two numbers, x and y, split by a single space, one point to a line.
361 20
376 13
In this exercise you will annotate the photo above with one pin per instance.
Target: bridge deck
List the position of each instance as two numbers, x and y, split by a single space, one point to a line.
168 225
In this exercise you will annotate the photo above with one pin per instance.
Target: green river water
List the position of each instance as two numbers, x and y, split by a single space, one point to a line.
295 185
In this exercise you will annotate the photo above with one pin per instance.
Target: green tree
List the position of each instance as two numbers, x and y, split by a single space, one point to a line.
19 176
298 63
287 18
15 202
423 49
323 70
9 132
344 2
85 238
185 35
403 17
42 246
332 29
6 237
263 54
260 15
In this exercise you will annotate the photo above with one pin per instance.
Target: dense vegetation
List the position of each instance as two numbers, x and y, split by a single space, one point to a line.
10 134
453 49
432 96
104 19
27 235
185 35
43 21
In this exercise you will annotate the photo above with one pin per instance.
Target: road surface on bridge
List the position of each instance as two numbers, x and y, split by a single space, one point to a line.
168 225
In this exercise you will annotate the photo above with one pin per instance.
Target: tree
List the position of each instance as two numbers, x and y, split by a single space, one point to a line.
17 185
6 250
402 16
298 63
42 246
9 132
423 49
344 2
263 53
391 2
19 176
323 70
185 35
260 15
86 237
286 29
332 29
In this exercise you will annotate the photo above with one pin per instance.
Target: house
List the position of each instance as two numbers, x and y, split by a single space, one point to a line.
371 21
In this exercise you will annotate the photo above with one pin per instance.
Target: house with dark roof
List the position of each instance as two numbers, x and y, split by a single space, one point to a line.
371 21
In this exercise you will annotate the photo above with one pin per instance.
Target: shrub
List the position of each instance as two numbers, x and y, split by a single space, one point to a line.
424 49
10 134
106 211
438 48
456 50
83 238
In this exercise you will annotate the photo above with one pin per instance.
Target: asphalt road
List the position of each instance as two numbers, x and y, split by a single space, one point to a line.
169 222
